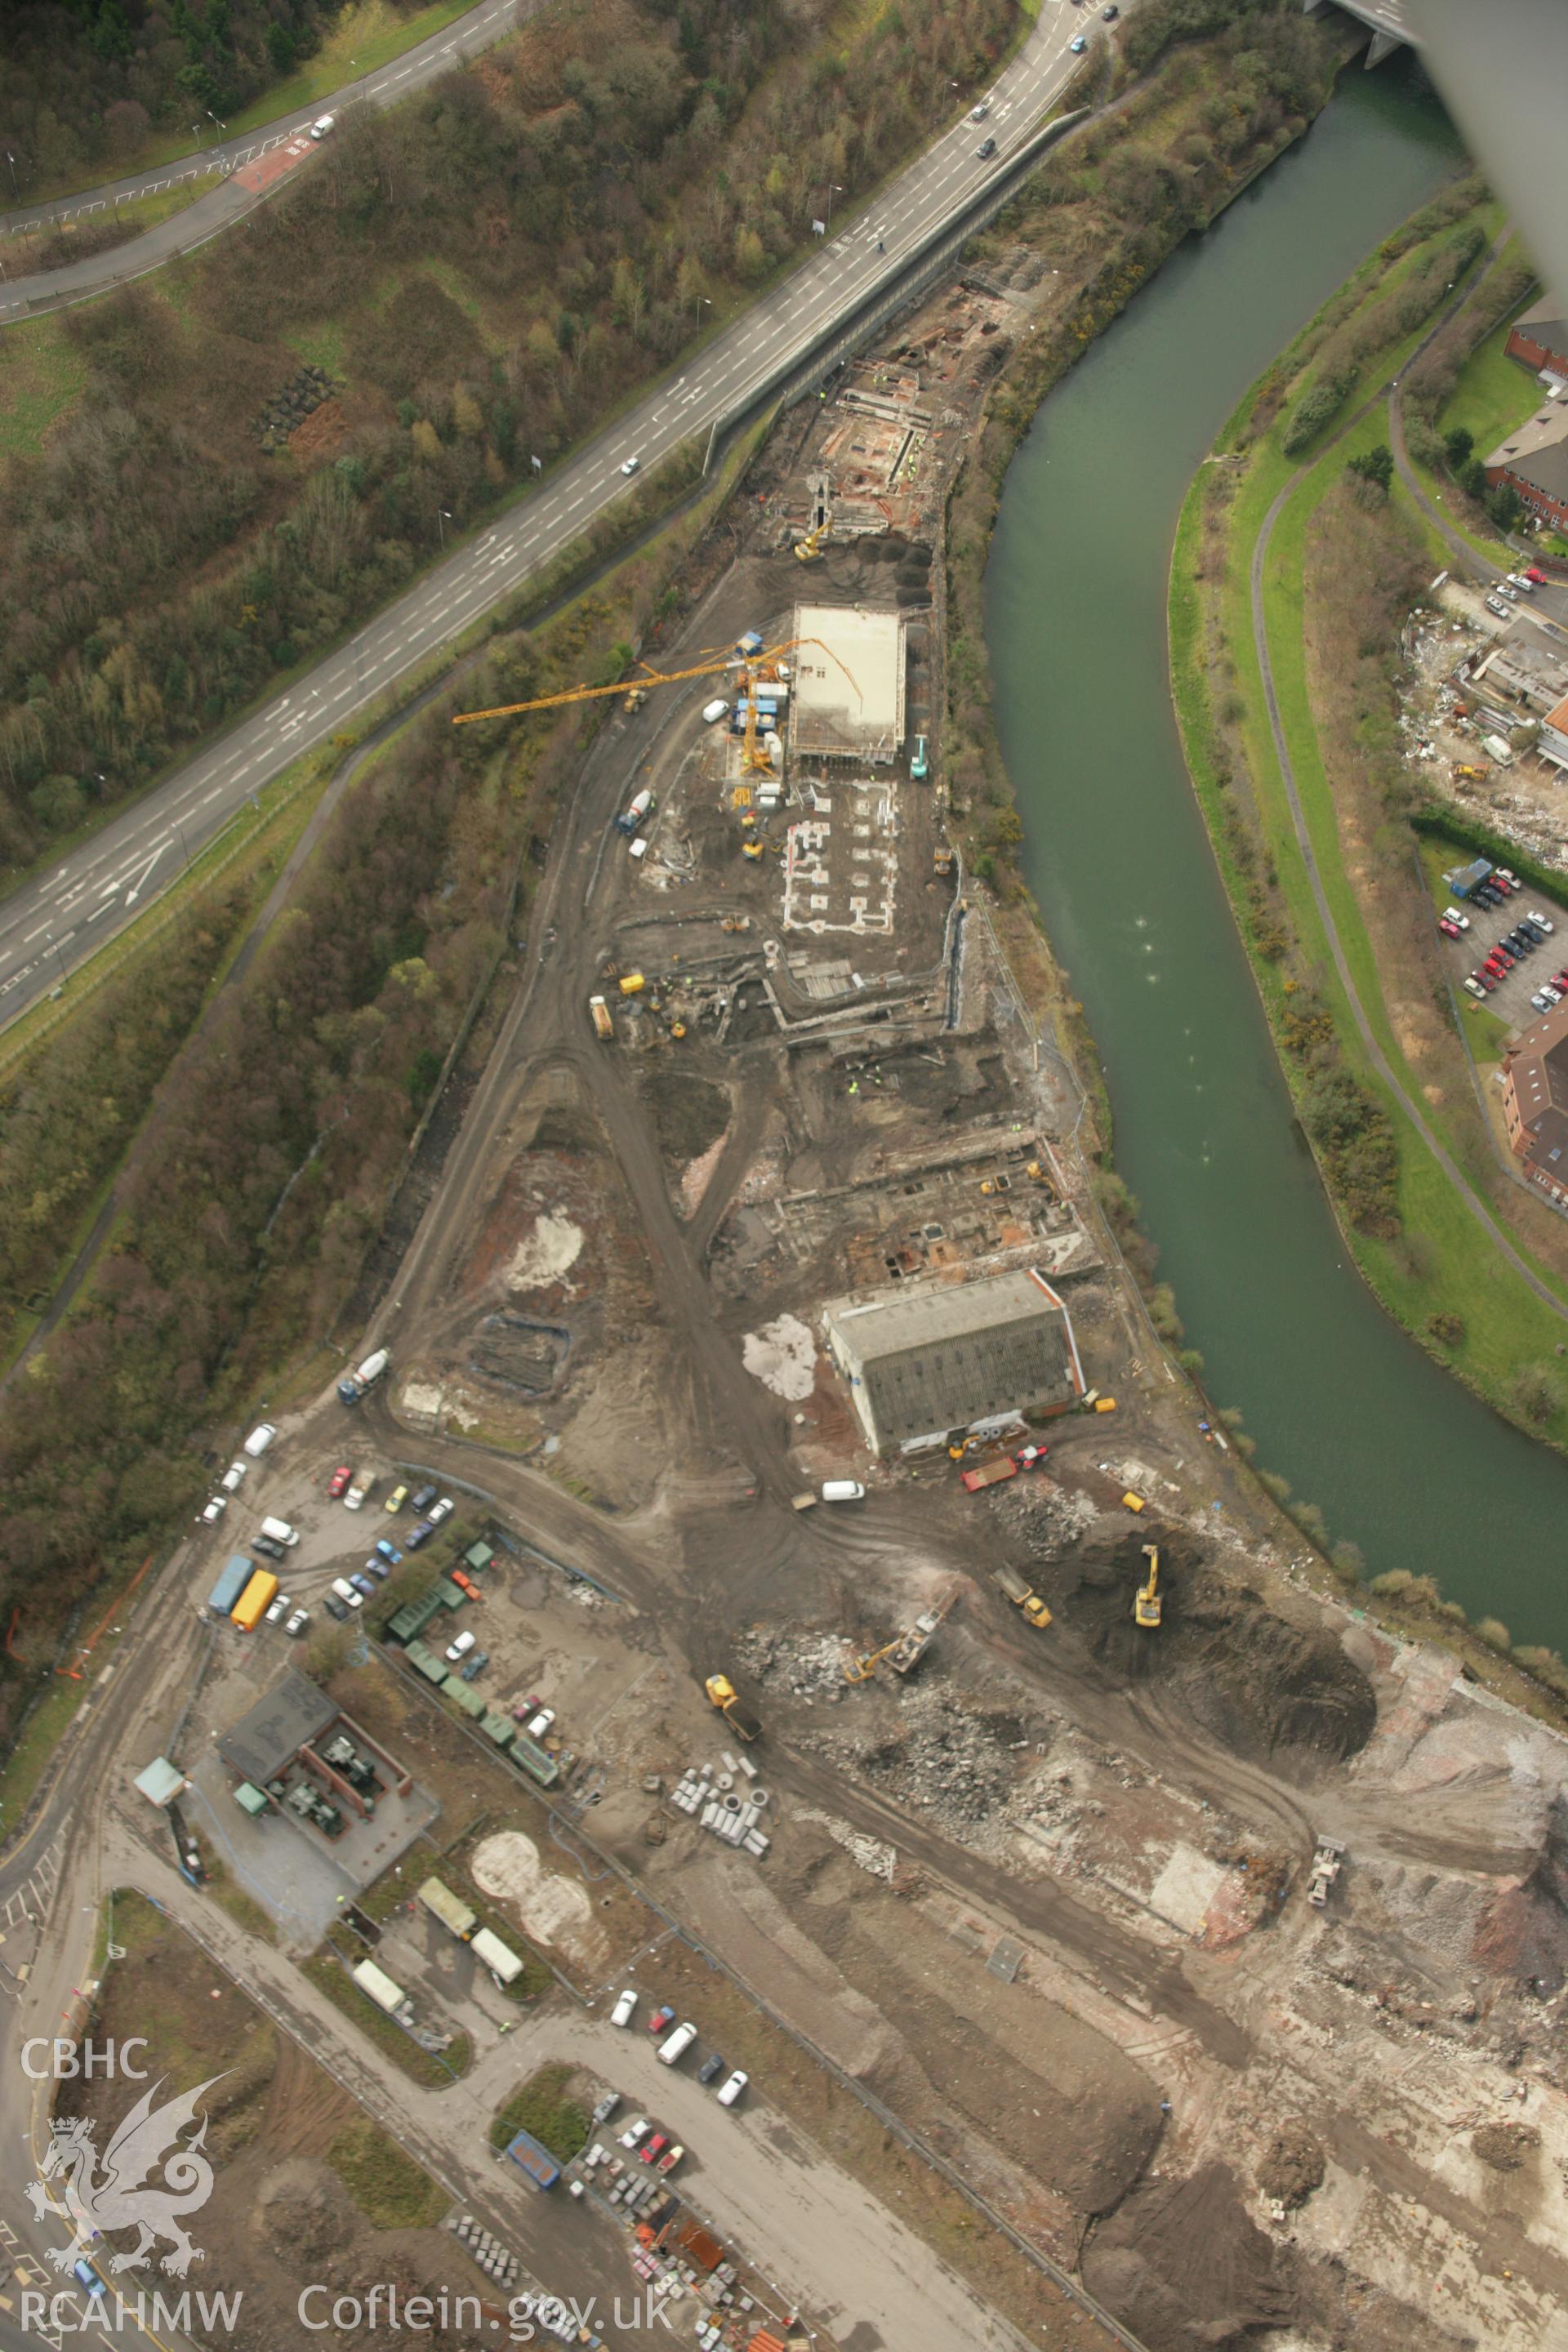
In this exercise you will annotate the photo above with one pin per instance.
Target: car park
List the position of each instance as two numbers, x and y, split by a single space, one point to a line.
733 2087
339 1482
297 1624
625 2009
395 1500
441 1510
460 1647
267 1548
364 1585
663 2015
420 1534
279 1610
334 1607
389 1552
985 151
233 1478
212 1512
348 1593
354 1499
635 2133
474 1668
424 1497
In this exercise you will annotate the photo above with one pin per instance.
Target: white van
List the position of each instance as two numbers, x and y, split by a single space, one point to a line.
639 847
346 1593
715 710
681 2039
843 1490
260 1438
280 1532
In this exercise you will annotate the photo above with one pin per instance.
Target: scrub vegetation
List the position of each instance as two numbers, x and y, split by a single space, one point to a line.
503 260
1349 558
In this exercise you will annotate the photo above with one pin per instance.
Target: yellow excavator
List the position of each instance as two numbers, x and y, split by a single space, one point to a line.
1147 1604
904 1653
808 549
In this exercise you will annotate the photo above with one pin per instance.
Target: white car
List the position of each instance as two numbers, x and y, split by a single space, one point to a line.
211 1513
1517 580
625 2009
279 1610
731 2090
1458 917
715 710
260 1438
354 1499
323 126
541 1723
441 1510
1475 989
459 1648
347 1594
1542 922
636 2132
297 1624
233 1478
978 113
631 466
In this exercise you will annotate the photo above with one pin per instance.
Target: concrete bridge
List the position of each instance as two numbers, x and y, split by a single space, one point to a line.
1390 21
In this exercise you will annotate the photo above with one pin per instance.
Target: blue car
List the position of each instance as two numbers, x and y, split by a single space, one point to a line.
365 1584
87 2277
389 1552
419 1535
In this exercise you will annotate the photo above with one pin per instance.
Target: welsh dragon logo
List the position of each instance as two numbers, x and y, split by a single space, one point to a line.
120 2194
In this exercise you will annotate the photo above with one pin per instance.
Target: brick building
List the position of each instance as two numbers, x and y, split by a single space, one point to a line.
1534 460
1535 1103
1539 340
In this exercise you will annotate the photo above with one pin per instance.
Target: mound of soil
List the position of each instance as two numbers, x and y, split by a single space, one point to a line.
1270 1688
1293 2166
1182 2265
1505 2145
689 1113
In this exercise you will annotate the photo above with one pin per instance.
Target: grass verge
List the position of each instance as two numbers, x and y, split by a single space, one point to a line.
542 2108
391 2190
325 1972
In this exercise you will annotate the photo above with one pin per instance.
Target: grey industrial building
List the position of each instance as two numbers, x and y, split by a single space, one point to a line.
969 1355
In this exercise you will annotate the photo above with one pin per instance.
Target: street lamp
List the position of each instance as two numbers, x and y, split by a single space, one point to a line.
15 191
833 190
222 126
442 519
183 851
197 135
704 302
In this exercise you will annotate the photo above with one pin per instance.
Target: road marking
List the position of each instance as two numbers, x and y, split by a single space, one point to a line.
35 935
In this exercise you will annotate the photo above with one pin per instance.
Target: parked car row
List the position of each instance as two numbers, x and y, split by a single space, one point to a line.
283 1613
1530 932
673 2047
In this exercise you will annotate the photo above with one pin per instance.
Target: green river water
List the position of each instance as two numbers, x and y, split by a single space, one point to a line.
1398 1458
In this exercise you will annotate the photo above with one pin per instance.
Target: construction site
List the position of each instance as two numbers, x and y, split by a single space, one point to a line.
851 1633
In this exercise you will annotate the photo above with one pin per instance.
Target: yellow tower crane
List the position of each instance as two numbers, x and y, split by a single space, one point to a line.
1146 1601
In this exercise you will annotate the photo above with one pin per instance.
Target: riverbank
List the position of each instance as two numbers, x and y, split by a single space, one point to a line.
1289 721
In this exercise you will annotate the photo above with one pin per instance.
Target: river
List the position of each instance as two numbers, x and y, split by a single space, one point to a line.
1398 1458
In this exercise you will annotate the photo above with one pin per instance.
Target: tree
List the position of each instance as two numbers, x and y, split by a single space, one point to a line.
1375 466
1457 444
281 49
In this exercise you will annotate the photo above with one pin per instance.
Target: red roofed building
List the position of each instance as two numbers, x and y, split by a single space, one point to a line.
1535 1103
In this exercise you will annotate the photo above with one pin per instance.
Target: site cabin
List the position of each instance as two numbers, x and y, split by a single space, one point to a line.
238 1572
378 1986
450 1909
500 1959
534 2160
990 1473
255 1600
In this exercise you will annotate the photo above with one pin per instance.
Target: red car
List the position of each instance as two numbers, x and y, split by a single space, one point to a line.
662 2017
341 1481
656 2146
1449 930
1488 979
1537 579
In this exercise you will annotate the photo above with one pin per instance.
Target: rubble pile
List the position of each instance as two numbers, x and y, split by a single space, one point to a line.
811 1665
960 1764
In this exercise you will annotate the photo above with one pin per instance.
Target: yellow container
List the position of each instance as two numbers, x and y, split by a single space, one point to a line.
632 983
1133 1502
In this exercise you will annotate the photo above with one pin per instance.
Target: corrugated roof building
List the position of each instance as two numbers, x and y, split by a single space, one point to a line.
954 1355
